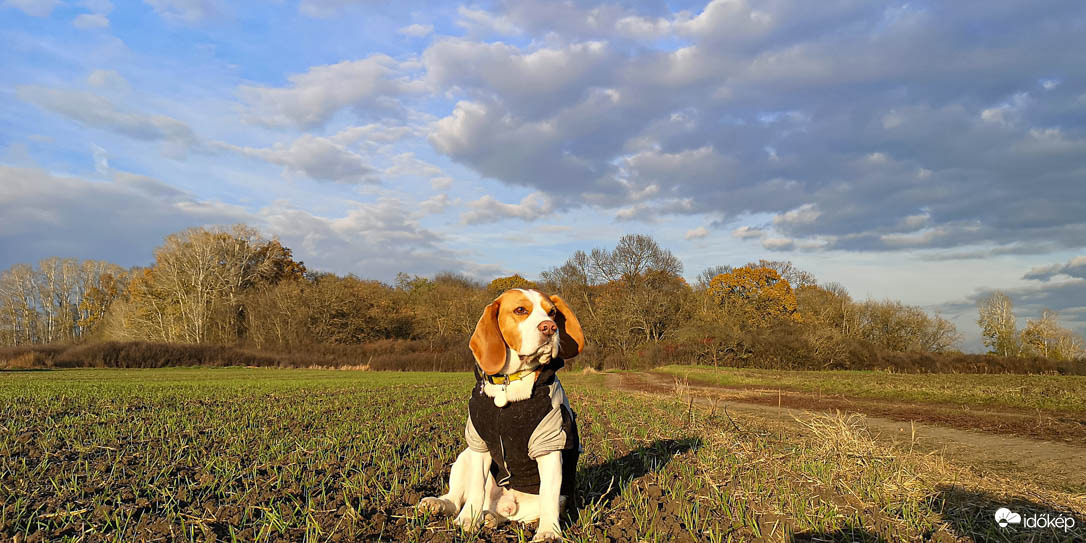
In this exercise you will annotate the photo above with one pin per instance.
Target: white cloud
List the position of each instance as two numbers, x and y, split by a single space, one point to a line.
488 209
108 79
375 133
435 204
369 86
406 164
778 244
804 214
374 240
315 157
697 233
531 81
89 21
101 159
185 11
643 28
747 232
34 8
478 22
416 30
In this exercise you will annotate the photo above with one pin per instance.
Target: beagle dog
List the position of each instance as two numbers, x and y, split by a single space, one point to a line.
522 436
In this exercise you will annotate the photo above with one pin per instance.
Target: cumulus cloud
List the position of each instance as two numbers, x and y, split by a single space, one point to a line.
322 159
830 120
747 232
370 86
416 30
479 22
488 209
435 204
697 233
533 83
97 112
375 240
778 244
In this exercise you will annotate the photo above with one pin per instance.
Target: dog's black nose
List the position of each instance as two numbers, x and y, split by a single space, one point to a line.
548 328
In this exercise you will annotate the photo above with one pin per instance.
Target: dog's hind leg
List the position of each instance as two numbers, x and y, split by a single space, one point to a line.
451 502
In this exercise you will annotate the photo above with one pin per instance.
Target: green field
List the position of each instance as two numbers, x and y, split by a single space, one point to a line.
306 455
1048 392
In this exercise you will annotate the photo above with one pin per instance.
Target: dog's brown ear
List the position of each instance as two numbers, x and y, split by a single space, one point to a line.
486 343
572 337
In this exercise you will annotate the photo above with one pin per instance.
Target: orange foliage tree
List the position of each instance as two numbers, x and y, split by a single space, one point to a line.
757 293
503 284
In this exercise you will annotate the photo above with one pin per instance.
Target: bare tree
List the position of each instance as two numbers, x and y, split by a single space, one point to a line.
707 275
634 256
789 272
1045 337
997 325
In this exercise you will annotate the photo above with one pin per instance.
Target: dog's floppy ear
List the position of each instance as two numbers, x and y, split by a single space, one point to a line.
572 337
486 343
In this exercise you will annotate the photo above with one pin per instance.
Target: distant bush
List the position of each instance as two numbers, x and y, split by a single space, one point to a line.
395 355
786 348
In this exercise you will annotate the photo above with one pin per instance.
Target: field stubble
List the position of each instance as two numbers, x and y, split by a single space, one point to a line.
296 455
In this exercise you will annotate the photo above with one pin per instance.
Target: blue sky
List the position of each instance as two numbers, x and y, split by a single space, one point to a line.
920 151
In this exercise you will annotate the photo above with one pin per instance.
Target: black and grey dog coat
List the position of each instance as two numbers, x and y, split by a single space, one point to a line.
520 432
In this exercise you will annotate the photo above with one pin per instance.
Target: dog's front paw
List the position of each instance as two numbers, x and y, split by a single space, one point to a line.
468 521
546 535
436 506
493 520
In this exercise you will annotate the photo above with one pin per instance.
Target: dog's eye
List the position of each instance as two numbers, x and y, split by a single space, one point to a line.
551 313
520 311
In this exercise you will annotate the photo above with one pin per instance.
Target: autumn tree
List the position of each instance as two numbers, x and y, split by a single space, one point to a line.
757 293
193 292
825 306
997 325
446 306
502 284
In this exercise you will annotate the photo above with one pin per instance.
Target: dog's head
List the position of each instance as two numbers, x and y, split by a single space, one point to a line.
523 326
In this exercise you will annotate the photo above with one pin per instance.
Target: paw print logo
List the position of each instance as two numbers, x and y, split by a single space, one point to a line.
1005 516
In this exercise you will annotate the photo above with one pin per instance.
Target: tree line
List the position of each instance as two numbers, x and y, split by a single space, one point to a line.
230 286
1042 336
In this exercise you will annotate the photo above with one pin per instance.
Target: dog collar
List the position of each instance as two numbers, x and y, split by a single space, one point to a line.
506 379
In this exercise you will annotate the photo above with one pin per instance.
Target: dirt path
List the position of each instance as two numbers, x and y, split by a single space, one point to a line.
1052 464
